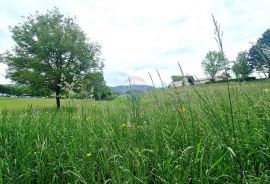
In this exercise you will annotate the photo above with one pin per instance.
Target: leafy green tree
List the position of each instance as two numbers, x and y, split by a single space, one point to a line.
103 93
51 54
213 63
241 66
176 78
185 78
96 86
190 79
92 80
259 54
15 90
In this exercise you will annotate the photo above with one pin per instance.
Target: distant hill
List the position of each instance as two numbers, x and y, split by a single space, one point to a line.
123 89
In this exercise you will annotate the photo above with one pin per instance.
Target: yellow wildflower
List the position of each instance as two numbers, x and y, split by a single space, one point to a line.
88 155
124 125
139 126
182 109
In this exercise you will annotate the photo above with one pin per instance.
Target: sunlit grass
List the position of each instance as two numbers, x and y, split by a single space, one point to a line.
186 135
23 103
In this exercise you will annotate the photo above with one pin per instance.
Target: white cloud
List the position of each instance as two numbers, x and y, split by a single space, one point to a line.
139 36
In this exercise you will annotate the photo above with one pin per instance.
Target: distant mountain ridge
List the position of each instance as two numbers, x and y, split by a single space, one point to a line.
123 89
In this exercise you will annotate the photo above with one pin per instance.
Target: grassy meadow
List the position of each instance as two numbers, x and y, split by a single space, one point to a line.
214 133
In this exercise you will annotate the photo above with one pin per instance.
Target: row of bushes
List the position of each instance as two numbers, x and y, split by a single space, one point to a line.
103 93
234 80
14 90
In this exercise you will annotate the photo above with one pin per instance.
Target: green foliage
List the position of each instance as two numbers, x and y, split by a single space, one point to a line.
187 137
190 79
241 66
176 78
95 85
213 63
260 53
92 80
15 90
52 53
102 92
212 133
135 113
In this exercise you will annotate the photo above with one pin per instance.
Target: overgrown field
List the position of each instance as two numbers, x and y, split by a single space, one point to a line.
201 134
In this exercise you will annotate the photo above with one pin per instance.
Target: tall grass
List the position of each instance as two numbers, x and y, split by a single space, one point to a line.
186 136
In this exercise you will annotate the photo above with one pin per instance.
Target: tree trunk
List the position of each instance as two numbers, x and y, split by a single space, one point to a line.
57 97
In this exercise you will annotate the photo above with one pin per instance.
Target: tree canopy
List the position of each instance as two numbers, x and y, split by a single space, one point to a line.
51 53
259 54
241 66
96 86
188 78
213 63
176 78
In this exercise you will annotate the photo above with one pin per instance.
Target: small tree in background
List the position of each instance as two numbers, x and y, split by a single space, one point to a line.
186 78
94 84
241 66
176 78
213 63
190 79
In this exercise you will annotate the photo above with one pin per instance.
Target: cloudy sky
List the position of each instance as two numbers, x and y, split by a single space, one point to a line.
140 36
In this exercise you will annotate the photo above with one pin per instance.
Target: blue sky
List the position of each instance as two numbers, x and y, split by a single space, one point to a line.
141 36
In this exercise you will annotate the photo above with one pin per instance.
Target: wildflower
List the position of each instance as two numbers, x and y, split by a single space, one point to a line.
139 126
182 109
124 125
88 155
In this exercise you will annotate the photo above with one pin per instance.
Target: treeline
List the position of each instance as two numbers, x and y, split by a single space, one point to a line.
94 87
254 60
15 90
